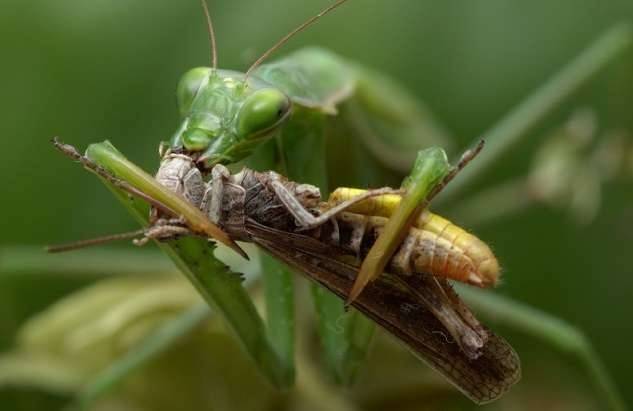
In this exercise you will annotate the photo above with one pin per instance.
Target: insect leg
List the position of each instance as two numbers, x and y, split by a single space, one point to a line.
305 219
212 200
193 186
471 340
401 261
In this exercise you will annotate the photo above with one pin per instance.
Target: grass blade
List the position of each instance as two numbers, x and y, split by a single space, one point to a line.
150 347
345 335
508 132
280 319
552 331
20 260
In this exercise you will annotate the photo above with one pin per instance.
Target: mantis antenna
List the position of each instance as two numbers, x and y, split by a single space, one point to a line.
214 50
288 36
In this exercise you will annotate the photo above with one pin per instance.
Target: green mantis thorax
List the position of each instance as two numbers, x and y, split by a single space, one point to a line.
225 115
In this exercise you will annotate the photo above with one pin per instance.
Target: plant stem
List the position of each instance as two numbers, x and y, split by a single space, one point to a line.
151 346
280 320
492 204
19 260
509 131
553 331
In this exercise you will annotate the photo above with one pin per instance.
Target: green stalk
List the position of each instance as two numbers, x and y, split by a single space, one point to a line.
552 331
279 296
345 336
21 260
509 131
150 347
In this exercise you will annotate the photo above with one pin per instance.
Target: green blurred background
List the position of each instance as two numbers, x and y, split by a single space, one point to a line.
90 70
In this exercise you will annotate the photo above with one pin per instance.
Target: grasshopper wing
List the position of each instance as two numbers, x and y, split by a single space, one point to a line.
415 311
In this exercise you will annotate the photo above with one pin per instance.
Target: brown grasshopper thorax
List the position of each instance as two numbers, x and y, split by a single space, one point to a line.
229 199
262 204
179 173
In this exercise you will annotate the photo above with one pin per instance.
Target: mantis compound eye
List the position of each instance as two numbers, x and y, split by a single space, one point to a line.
189 86
261 111
195 139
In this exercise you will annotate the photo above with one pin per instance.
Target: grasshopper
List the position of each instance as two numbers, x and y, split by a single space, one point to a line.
327 241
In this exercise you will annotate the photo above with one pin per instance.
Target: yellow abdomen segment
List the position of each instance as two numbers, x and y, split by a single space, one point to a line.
441 247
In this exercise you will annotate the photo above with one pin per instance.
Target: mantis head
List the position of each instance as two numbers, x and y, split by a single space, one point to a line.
226 115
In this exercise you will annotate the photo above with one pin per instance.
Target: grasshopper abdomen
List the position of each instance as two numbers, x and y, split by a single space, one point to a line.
434 245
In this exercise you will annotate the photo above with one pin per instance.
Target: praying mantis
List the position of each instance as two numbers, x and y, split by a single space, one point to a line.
300 151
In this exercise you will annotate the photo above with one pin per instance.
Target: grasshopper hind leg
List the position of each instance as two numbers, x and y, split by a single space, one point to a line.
211 203
305 219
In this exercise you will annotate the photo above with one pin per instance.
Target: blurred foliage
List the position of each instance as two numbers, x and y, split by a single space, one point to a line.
108 69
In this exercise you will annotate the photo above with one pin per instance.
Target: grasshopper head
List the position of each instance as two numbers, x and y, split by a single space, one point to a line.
225 117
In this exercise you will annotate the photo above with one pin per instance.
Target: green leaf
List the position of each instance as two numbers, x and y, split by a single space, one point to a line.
44 278
280 318
150 347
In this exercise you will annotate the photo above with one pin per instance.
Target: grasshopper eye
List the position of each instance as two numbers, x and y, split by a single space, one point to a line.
261 111
188 87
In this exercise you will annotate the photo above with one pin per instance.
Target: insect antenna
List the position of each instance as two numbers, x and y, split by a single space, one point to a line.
214 50
94 241
288 36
